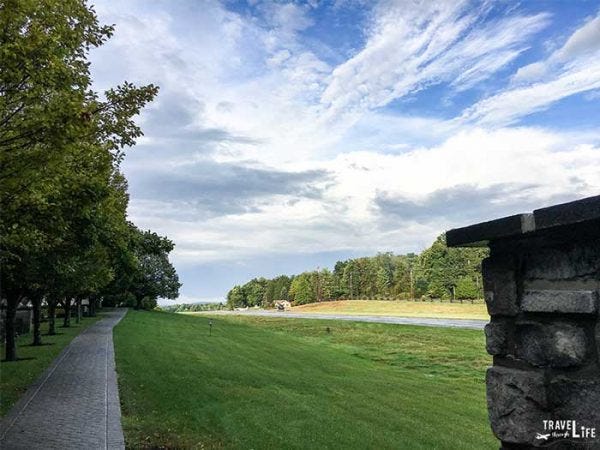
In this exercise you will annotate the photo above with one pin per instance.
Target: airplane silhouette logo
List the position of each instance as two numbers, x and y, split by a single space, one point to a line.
543 437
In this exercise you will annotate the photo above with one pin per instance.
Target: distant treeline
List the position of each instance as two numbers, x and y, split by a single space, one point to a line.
193 307
438 272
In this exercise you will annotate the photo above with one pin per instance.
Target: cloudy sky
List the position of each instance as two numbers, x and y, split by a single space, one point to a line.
288 135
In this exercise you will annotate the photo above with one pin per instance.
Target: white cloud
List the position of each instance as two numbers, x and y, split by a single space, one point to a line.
550 165
288 17
583 41
572 69
533 71
509 106
413 46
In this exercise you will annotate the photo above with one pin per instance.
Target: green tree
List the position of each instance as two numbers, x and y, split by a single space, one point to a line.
49 119
340 282
351 279
301 289
322 284
277 289
442 267
466 288
236 298
384 281
154 276
402 277
255 291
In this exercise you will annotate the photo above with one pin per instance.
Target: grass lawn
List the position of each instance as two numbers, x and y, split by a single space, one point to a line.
398 308
260 383
16 376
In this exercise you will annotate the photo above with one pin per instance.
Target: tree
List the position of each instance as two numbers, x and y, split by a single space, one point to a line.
402 277
466 288
442 267
322 284
384 281
340 287
351 279
236 298
51 122
277 289
255 291
301 289
154 275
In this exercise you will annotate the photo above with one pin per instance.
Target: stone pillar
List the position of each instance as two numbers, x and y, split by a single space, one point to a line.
542 285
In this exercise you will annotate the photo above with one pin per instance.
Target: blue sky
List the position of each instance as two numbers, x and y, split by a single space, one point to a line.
289 135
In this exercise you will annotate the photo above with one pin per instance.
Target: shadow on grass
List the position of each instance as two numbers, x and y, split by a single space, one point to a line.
55 334
43 344
18 359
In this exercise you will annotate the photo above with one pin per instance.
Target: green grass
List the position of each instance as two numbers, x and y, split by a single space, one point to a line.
16 376
260 383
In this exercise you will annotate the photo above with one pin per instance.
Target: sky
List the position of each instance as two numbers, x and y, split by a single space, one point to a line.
289 135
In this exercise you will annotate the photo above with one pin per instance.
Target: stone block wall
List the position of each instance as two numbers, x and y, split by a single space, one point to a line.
542 286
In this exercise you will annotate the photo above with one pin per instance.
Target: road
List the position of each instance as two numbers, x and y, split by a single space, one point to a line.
422 321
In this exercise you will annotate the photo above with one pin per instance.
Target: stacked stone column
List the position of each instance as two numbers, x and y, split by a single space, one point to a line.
542 284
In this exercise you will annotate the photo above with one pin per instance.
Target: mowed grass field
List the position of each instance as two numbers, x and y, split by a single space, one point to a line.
16 376
398 308
267 383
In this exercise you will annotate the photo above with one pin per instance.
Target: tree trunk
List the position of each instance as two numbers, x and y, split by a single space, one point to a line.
78 301
51 318
67 307
37 312
92 306
10 328
138 303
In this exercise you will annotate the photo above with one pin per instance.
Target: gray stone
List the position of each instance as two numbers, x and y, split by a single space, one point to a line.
578 400
556 345
500 287
577 261
565 302
480 234
598 340
517 403
568 213
496 337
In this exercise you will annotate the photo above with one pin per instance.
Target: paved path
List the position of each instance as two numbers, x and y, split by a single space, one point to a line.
75 403
452 323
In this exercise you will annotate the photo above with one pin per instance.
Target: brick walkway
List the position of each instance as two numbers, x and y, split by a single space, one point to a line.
75 403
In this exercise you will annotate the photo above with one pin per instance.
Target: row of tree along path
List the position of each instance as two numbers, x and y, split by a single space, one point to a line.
64 231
